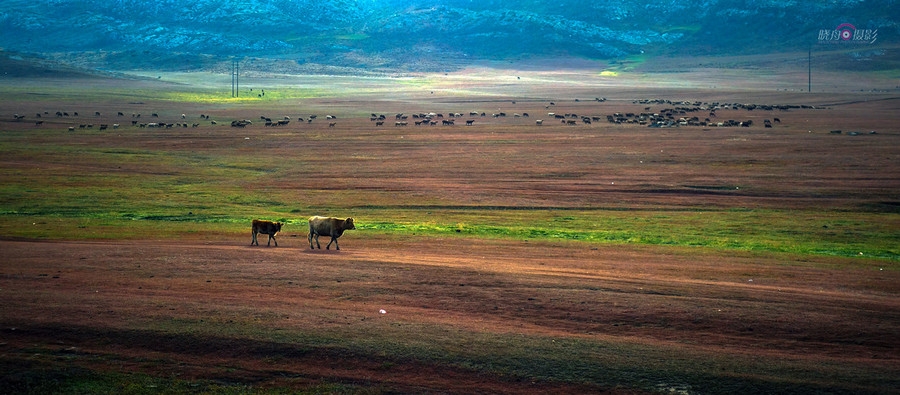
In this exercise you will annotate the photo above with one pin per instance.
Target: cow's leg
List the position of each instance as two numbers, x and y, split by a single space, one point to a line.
333 240
254 239
310 240
316 235
271 237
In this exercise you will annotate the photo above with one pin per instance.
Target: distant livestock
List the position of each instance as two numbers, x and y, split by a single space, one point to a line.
328 226
280 122
267 228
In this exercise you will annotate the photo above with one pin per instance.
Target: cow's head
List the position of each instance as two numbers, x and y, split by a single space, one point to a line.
278 226
348 224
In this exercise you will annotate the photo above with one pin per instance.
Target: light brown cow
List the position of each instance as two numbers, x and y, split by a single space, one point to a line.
267 228
328 226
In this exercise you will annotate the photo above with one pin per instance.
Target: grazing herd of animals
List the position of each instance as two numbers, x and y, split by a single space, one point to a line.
318 226
136 120
672 114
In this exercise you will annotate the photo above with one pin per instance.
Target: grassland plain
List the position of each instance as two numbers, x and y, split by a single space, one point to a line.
512 257
168 175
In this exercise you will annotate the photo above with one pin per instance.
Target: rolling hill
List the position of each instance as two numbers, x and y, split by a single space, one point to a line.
418 35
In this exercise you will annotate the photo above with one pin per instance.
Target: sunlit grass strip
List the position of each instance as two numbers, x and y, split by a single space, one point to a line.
216 96
730 242
70 223
869 235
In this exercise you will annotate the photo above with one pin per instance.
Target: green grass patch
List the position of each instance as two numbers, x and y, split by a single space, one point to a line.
807 233
832 234
219 97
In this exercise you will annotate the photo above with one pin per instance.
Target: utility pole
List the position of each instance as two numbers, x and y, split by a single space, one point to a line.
235 79
809 70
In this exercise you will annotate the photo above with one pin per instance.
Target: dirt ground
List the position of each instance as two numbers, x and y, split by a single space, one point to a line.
85 299
123 306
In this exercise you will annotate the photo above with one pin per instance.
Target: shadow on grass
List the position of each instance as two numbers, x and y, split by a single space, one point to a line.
78 359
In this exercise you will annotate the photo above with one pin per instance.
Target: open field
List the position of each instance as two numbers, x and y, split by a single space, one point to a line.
501 257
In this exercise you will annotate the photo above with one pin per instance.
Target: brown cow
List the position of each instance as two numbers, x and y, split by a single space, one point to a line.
328 226
267 228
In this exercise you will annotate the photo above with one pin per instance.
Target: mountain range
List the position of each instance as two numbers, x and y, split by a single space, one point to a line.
420 35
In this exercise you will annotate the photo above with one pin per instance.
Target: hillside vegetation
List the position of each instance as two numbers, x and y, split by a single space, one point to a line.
418 35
